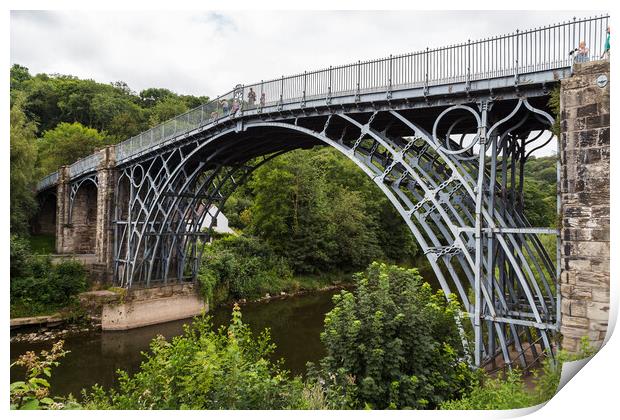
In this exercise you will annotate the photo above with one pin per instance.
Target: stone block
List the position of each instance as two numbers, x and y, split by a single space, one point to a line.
570 321
598 311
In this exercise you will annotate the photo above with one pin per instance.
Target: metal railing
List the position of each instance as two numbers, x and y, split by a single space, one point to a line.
511 55
48 181
84 165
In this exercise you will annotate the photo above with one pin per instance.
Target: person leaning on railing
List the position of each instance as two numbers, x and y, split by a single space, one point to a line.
581 53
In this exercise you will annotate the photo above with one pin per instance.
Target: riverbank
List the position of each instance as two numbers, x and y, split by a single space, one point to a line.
79 320
295 322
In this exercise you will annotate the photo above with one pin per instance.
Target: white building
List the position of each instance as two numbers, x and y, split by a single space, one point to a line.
221 221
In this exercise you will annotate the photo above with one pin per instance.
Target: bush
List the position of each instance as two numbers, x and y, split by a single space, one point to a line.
34 392
244 267
205 369
510 392
37 285
392 343
20 255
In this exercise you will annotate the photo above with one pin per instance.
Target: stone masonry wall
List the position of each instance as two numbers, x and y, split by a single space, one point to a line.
107 177
584 189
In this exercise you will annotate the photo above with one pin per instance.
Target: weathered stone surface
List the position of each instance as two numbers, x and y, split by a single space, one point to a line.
584 189
85 226
152 306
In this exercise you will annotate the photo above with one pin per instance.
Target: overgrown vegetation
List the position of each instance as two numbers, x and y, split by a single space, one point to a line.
241 267
320 212
38 286
393 343
205 369
230 368
509 391
33 393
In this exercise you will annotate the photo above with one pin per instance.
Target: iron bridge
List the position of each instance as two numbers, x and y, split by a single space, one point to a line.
444 133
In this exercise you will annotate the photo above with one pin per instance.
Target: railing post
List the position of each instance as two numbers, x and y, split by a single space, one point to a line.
281 92
260 104
468 77
357 87
389 90
426 72
516 54
303 96
329 85
241 107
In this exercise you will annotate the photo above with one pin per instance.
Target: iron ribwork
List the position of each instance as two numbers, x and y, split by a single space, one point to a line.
458 185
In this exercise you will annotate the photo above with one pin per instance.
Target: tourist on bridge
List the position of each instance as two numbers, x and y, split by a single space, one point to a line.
606 50
262 99
235 106
582 52
251 97
224 104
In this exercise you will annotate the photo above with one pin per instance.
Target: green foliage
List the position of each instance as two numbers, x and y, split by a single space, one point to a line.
205 369
322 213
393 343
67 143
499 393
244 267
23 175
167 108
37 285
510 391
33 392
554 104
43 243
539 191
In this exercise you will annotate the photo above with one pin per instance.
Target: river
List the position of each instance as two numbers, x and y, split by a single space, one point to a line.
295 322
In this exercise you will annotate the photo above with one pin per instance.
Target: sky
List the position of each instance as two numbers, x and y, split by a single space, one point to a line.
207 53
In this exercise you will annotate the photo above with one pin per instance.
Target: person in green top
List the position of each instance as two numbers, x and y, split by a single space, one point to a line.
606 50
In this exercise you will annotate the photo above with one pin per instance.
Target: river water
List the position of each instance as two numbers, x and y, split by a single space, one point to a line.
295 322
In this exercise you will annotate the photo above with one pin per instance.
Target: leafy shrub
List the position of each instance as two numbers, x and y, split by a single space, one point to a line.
245 266
205 369
510 392
33 393
392 343
495 394
20 255
37 285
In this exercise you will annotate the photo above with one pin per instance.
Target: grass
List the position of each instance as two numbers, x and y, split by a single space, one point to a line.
308 282
43 244
23 309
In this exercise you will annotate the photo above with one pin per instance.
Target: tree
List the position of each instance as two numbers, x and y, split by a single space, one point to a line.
23 175
19 74
67 143
166 109
322 212
393 343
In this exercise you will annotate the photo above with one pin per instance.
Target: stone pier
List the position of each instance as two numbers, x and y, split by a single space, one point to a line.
584 189
142 307
84 227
